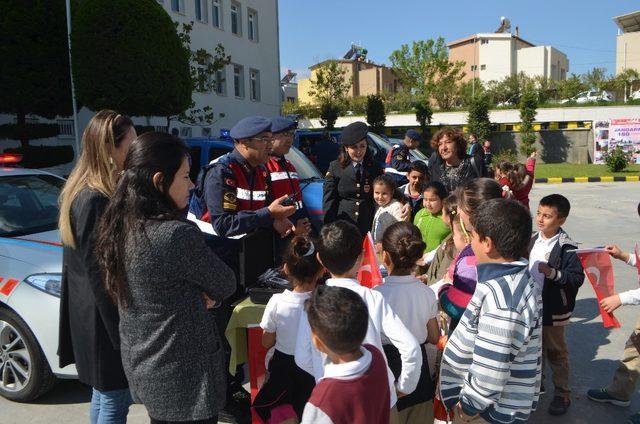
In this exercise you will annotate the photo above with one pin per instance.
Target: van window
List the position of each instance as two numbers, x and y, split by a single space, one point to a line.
195 153
216 152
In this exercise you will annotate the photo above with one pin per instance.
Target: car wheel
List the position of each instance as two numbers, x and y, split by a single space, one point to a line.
24 371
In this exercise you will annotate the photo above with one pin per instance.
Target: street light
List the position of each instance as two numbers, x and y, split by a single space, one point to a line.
73 91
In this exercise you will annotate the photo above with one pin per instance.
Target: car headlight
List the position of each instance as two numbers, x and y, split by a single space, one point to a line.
48 283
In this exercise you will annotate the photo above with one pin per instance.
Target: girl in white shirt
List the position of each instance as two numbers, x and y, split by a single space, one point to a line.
287 387
416 306
389 206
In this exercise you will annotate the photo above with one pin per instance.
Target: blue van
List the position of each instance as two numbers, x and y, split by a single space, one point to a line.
204 150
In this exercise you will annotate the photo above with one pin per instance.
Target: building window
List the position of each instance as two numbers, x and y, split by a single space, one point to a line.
216 12
236 19
221 82
185 131
291 99
238 81
474 67
177 6
252 27
484 41
483 67
202 11
254 77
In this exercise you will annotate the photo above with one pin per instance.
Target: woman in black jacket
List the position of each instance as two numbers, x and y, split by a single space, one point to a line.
88 333
449 164
348 185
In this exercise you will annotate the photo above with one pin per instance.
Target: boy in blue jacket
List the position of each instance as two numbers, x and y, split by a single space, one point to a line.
558 274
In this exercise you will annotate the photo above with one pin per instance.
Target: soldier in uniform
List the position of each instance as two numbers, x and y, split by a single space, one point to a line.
348 190
399 157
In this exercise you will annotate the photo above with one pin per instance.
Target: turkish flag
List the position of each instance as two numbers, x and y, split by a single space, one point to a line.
635 252
369 273
597 266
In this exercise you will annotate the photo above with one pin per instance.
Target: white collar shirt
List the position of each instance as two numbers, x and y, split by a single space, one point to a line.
349 370
540 254
282 316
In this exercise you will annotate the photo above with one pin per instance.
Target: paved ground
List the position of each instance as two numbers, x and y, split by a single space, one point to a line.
600 213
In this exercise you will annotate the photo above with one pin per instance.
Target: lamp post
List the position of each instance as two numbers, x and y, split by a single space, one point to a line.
73 91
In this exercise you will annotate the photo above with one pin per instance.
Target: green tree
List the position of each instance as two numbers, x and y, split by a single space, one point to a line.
35 67
478 118
625 80
424 69
424 113
571 87
546 88
329 88
528 106
376 117
594 79
469 90
133 62
509 90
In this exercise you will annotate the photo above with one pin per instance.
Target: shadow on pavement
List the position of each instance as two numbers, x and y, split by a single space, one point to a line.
66 392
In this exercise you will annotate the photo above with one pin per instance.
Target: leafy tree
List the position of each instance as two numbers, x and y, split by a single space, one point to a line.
425 70
528 105
469 90
478 118
35 67
424 113
132 62
546 88
509 89
624 81
329 88
376 117
571 87
594 78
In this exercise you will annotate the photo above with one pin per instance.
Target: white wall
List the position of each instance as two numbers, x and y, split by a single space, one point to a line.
497 55
532 61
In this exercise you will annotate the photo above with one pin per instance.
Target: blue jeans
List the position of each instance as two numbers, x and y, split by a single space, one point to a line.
110 407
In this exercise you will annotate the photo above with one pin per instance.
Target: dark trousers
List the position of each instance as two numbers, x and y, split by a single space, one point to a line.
212 420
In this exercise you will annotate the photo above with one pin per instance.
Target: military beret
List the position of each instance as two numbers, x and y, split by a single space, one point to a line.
250 127
280 124
413 135
353 133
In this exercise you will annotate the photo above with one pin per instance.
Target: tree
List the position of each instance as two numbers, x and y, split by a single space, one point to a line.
329 88
469 90
424 113
132 62
594 79
624 81
528 106
425 70
571 87
35 67
376 117
509 90
546 88
478 119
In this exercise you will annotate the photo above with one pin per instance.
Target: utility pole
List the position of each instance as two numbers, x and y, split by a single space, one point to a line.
73 90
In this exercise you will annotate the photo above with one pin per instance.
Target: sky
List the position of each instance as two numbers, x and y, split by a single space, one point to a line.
312 31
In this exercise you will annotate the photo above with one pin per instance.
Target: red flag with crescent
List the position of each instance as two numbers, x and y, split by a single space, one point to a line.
599 271
369 274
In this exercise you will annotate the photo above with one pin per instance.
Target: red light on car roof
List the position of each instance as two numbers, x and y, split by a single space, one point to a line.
10 158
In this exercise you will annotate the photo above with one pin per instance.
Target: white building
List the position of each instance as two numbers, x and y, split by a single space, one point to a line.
495 56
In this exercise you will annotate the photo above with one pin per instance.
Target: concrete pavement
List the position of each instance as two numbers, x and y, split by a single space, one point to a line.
601 213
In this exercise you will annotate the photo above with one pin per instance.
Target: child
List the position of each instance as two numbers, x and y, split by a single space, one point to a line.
491 365
287 387
416 306
624 381
558 275
429 220
456 292
526 176
340 251
440 259
354 388
389 209
418 177
472 195
508 178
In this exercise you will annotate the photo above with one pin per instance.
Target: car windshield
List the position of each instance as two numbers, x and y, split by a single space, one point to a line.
305 168
417 153
28 204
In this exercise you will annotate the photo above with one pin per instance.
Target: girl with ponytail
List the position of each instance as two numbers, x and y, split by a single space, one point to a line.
287 389
416 306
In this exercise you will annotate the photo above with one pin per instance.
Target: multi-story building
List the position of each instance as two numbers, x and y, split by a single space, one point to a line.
494 56
628 42
366 78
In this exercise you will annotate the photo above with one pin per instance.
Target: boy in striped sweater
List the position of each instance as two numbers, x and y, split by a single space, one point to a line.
491 366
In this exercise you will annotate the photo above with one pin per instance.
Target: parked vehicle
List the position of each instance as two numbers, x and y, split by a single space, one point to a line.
204 150
30 280
635 95
590 96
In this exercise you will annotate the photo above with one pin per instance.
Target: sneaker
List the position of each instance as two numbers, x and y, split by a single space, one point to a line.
634 419
559 405
236 411
601 395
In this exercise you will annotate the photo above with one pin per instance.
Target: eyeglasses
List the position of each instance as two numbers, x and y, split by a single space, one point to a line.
263 139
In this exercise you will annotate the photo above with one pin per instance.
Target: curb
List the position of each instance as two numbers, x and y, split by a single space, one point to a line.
610 179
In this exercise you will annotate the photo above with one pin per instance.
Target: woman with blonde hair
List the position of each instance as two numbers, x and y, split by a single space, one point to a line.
89 335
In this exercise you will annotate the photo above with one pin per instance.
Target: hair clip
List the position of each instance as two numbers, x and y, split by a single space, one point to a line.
453 212
311 250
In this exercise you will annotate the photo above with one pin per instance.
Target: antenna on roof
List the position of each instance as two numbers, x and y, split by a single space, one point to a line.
505 26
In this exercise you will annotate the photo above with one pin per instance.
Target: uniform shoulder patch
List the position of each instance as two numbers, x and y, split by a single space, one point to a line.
230 197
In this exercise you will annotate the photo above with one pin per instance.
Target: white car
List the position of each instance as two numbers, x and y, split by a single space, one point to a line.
635 95
590 96
30 277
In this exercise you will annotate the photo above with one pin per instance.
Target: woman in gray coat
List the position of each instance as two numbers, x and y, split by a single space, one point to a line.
164 278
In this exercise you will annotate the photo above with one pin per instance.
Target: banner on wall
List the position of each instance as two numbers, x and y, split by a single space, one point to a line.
612 133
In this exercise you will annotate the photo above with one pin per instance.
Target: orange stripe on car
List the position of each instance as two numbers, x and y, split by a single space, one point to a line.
8 287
